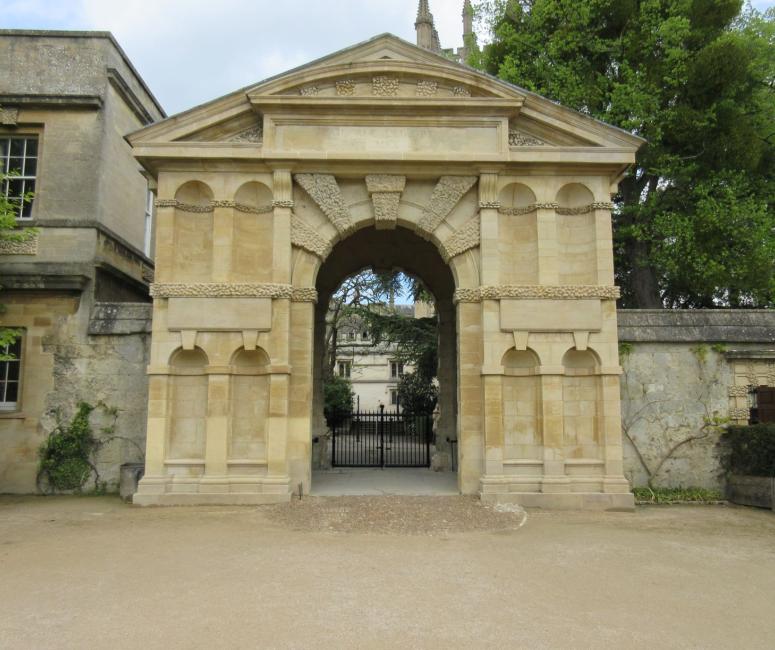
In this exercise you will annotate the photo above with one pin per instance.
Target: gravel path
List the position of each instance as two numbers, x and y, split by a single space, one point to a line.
399 515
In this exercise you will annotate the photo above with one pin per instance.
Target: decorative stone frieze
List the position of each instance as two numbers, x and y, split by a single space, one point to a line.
519 139
9 116
324 190
602 205
221 290
345 88
739 391
461 91
468 237
527 209
585 209
26 247
306 238
739 414
309 91
304 294
489 205
384 86
241 207
446 195
427 88
184 207
283 204
253 135
538 292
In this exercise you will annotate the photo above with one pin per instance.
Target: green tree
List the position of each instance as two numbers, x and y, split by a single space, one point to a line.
10 232
694 223
417 394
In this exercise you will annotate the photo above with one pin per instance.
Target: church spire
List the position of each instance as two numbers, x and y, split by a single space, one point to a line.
426 32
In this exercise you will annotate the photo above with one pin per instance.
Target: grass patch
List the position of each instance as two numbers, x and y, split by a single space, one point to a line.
667 496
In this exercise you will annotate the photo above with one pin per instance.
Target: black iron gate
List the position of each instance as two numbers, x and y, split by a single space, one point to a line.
380 439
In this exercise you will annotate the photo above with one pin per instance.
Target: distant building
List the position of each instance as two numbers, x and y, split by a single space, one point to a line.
373 370
66 101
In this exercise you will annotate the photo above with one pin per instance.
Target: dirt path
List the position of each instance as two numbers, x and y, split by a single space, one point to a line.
381 573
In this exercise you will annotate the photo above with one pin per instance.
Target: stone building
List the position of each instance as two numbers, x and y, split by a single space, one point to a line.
66 101
385 155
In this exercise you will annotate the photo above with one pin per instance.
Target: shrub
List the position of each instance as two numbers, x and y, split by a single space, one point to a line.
749 450
417 394
338 399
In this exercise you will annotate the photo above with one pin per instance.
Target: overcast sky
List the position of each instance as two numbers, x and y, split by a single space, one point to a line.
191 51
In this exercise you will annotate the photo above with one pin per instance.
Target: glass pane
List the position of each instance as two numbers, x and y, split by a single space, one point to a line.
15 187
13 370
15 165
17 146
11 391
32 146
26 210
30 166
4 144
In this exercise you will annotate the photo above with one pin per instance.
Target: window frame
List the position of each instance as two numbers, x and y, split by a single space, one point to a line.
7 407
346 366
26 178
399 369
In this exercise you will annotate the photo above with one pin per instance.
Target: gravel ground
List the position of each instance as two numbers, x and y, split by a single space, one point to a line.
396 515
382 572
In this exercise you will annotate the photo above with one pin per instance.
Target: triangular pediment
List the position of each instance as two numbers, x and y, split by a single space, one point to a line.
385 74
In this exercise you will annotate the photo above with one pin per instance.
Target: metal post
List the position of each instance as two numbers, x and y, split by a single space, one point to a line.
428 428
333 441
382 436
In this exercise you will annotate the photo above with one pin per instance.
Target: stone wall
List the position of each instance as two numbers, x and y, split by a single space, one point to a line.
679 379
63 365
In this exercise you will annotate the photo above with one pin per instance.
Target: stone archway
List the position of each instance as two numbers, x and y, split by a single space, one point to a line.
399 249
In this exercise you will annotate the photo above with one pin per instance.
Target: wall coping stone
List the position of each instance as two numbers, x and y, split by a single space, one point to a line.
697 325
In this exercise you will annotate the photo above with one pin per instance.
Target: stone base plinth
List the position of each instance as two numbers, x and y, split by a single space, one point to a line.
226 491
564 501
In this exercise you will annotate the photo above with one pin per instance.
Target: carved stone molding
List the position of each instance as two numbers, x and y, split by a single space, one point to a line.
324 190
461 91
241 207
283 204
184 207
489 205
468 237
427 88
519 139
739 391
555 292
446 195
304 294
309 91
383 86
739 414
585 209
527 209
307 238
345 88
253 135
9 116
385 191
282 187
229 290
488 189
26 247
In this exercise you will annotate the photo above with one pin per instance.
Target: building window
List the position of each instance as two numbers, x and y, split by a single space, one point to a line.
10 372
365 335
345 368
394 397
351 335
19 164
149 202
396 369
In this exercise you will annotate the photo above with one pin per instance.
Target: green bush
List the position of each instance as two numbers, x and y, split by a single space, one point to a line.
676 495
65 456
417 394
338 399
749 450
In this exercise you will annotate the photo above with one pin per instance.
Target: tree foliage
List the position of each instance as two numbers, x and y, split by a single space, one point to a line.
337 398
694 222
417 394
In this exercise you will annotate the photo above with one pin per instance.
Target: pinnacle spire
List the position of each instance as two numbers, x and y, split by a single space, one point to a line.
427 37
424 14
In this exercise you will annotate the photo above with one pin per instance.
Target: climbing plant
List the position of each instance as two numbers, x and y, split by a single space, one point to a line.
67 456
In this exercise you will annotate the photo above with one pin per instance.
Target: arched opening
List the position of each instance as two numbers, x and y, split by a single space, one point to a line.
384 251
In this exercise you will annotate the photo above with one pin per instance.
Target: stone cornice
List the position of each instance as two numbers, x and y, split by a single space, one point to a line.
233 290
538 292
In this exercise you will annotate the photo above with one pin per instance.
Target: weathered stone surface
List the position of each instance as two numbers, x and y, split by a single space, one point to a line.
120 318
712 325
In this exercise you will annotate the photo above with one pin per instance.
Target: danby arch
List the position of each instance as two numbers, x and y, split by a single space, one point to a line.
384 154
